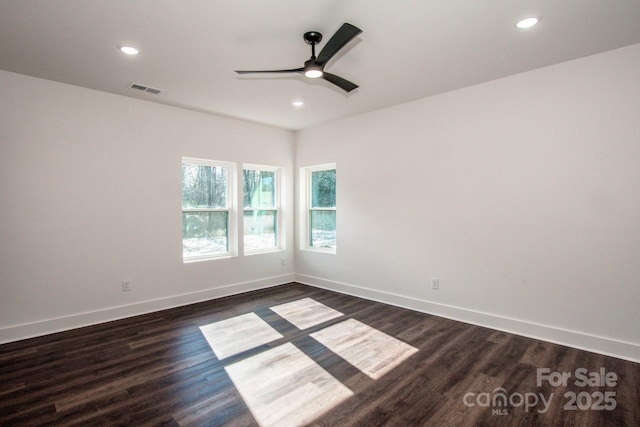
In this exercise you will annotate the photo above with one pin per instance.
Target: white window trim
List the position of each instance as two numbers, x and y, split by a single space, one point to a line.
305 207
280 225
232 191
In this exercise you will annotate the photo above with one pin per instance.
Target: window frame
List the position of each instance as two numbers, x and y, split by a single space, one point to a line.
306 208
231 196
277 202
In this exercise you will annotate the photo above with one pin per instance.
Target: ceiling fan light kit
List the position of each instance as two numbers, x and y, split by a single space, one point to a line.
313 72
314 66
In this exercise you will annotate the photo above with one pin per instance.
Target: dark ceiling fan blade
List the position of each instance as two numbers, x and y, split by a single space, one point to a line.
343 84
293 70
343 36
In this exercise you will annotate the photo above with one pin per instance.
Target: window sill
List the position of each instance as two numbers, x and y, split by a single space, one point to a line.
263 251
320 250
209 258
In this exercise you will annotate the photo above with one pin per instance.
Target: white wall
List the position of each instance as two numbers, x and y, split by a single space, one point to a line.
522 195
91 194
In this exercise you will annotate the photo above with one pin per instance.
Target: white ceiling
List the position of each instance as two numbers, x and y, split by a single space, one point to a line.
408 49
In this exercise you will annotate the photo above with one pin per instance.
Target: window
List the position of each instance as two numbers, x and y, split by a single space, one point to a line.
319 184
261 203
207 209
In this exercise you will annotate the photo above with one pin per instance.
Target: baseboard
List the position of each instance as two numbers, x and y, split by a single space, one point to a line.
597 344
59 324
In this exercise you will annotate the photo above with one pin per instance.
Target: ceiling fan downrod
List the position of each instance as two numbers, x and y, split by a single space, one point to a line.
312 38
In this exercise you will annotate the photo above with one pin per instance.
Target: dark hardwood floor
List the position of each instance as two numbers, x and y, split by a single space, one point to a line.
158 369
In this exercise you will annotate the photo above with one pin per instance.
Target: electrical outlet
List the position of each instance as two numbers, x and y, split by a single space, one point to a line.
126 285
435 283
283 262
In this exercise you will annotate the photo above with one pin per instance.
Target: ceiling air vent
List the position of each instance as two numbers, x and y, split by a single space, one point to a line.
143 88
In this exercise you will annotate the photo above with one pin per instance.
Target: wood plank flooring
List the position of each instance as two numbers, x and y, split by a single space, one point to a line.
159 369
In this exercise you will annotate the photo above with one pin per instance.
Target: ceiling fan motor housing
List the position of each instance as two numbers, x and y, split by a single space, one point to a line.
312 37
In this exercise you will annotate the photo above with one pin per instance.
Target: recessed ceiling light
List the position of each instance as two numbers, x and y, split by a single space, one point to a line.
527 23
129 50
297 103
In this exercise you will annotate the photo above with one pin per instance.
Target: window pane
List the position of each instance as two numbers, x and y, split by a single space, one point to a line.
204 186
259 188
204 233
323 229
323 189
260 230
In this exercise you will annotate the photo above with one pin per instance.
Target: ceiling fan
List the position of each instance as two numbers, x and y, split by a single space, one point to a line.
314 67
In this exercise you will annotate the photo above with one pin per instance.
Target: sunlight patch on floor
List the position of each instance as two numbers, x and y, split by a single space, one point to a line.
241 333
371 351
284 387
305 313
